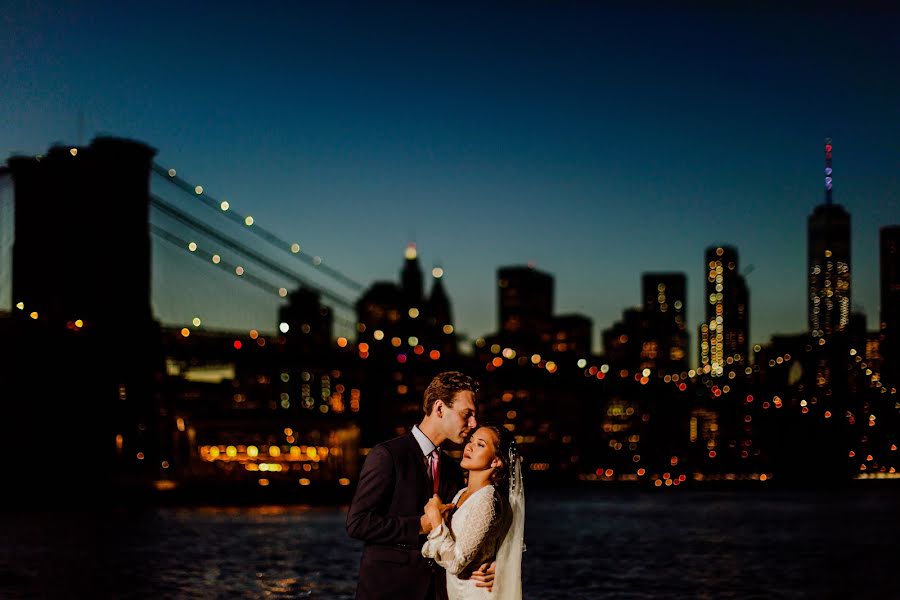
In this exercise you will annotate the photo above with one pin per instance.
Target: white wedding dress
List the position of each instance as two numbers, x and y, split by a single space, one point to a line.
473 538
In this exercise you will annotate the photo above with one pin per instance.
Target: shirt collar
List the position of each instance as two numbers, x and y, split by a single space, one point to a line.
425 444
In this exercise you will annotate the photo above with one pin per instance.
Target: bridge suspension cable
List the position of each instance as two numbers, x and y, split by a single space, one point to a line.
209 258
225 209
240 248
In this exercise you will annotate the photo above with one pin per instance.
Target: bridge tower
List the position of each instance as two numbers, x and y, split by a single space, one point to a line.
78 389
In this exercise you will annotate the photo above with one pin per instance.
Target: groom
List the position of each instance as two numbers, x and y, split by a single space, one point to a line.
397 480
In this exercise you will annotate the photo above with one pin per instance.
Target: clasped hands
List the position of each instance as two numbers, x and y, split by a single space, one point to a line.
435 513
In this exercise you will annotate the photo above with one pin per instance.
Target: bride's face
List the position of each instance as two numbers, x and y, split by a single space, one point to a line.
480 453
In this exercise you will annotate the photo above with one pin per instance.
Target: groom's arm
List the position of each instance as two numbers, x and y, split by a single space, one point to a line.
367 518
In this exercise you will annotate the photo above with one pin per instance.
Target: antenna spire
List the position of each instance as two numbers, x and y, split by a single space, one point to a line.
828 179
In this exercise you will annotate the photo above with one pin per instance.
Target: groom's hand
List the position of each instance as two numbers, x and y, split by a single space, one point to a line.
435 511
435 505
484 576
424 524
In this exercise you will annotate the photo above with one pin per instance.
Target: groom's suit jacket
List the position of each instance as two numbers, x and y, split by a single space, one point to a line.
390 497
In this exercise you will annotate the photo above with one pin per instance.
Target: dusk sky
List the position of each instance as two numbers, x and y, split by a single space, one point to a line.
593 141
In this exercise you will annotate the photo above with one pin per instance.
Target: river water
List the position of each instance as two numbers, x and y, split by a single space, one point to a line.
587 544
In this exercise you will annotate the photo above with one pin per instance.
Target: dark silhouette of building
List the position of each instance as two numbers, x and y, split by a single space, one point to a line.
857 333
724 334
525 304
624 343
665 303
306 323
890 303
829 263
572 334
401 316
441 334
380 311
651 337
810 419
411 279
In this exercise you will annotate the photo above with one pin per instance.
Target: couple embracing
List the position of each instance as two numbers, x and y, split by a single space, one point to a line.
419 546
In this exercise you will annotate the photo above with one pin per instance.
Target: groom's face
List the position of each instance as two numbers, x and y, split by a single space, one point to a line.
458 419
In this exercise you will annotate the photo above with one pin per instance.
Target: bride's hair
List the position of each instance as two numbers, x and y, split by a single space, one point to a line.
505 442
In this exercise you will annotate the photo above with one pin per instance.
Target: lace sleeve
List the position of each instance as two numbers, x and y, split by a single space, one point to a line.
456 550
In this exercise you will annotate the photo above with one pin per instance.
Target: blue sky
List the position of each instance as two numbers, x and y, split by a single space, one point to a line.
594 141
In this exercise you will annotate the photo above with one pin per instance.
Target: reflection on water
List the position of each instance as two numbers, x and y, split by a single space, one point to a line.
622 545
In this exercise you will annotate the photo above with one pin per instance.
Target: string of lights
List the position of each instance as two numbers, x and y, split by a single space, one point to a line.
224 207
242 249
216 259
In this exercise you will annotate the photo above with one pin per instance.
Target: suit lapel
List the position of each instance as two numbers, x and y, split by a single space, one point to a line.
417 465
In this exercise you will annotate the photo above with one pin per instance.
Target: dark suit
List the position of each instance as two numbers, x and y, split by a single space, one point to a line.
393 489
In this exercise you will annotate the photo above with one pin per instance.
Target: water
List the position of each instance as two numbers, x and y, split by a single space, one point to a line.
602 544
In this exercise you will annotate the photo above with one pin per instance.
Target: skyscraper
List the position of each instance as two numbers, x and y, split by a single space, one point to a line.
380 310
890 302
724 334
309 322
828 263
628 343
525 306
665 304
411 278
441 333
401 313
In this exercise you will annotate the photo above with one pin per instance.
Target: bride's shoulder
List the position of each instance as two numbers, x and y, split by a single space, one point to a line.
484 495
494 496
500 499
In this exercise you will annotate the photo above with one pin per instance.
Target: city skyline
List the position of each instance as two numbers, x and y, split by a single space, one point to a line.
556 135
139 418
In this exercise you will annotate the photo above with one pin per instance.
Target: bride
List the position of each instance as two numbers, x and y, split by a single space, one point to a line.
487 521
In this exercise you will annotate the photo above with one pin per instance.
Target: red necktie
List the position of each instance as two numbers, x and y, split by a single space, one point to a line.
434 462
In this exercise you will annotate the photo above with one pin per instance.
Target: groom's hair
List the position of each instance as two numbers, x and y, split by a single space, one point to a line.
444 387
